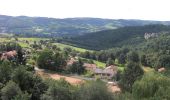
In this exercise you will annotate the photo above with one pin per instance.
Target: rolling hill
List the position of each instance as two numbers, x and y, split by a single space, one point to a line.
124 36
43 26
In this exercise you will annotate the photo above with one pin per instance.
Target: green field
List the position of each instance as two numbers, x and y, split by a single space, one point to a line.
32 39
5 40
99 64
62 46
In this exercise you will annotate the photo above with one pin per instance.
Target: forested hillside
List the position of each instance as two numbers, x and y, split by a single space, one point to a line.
125 36
50 27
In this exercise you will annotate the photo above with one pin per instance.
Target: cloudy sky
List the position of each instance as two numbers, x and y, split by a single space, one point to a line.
113 9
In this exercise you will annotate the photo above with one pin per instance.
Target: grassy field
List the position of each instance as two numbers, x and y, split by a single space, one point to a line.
147 69
99 64
60 45
5 40
32 39
23 45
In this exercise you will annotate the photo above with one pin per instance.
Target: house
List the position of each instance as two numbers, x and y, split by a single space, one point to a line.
108 72
8 55
71 61
162 69
150 35
90 67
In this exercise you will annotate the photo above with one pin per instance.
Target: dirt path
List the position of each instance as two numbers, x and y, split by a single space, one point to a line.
71 80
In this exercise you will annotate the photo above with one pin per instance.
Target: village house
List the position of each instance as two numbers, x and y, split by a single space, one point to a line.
71 61
90 67
107 73
150 35
162 69
10 55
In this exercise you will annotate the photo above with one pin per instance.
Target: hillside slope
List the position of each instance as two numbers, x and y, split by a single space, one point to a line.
43 26
125 36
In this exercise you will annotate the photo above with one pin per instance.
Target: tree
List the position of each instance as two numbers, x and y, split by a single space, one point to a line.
59 60
10 91
152 86
5 72
133 57
163 61
94 91
122 59
132 72
58 90
20 57
28 82
45 59
22 96
143 60
77 67
109 62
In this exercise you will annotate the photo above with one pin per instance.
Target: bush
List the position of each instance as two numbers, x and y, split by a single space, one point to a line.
58 90
95 90
5 72
10 91
152 86
130 75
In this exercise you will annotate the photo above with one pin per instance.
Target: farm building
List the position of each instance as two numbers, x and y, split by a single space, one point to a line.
90 67
8 55
108 72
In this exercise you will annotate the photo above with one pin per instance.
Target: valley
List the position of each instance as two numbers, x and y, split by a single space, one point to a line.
120 62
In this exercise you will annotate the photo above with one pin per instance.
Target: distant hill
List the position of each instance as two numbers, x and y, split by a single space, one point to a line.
43 26
124 36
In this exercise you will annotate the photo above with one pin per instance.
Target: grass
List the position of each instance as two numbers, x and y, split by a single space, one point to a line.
99 64
148 69
5 40
23 45
62 46
32 39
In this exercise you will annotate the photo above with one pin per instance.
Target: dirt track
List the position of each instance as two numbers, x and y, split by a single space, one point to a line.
71 80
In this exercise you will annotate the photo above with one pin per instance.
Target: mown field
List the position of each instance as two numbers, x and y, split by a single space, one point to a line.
60 45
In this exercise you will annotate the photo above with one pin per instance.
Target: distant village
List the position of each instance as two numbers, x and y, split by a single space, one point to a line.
151 35
107 73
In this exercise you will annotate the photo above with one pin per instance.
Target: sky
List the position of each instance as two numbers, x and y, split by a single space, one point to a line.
112 9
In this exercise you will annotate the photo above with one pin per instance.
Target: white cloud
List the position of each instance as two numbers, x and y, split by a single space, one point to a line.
117 9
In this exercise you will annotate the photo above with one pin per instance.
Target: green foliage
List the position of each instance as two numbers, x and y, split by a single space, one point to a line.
29 82
156 51
163 61
152 86
22 96
52 60
133 57
77 67
58 90
94 91
10 91
122 59
130 75
45 58
109 62
143 60
5 72
9 46
59 60
125 36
